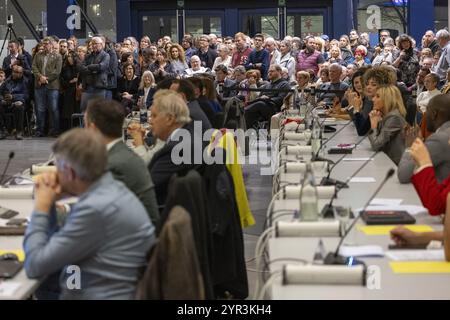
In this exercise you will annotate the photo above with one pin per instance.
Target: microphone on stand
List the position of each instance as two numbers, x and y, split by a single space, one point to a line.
328 210
333 258
10 157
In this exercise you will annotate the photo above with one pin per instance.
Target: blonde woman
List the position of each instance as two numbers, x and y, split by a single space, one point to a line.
387 122
177 59
223 57
147 88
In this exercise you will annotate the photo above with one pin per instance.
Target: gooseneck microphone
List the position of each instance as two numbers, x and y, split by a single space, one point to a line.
10 157
316 156
334 258
328 210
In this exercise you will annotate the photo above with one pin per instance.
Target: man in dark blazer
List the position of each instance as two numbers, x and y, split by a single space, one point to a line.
183 149
106 118
438 121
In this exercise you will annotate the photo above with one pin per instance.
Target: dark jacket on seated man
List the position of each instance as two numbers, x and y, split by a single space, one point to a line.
127 167
162 165
13 96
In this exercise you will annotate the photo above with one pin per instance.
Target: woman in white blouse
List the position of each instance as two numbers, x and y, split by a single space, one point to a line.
286 60
223 57
431 81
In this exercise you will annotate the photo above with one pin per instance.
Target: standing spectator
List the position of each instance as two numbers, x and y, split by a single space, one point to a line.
346 52
177 59
12 57
23 52
259 58
430 41
354 40
271 46
286 59
205 53
69 79
187 44
47 69
240 57
223 57
94 73
113 68
441 67
144 43
408 61
309 58
162 68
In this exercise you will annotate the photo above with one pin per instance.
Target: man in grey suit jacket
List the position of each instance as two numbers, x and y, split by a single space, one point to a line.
438 121
104 241
106 117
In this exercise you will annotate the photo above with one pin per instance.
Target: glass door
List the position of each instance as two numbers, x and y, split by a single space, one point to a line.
302 23
200 22
157 24
259 21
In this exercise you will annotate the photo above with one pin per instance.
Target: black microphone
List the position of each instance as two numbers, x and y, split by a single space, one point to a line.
327 181
328 210
333 258
10 156
316 156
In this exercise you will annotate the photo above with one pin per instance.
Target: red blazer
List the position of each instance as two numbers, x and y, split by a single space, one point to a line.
432 194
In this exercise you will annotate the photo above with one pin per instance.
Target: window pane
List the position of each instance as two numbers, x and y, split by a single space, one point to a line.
216 26
311 25
157 27
269 25
194 25
34 9
103 16
390 16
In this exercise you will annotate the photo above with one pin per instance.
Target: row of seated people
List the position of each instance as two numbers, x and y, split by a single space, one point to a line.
126 204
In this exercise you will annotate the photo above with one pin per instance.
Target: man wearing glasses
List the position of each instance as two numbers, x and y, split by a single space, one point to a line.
94 73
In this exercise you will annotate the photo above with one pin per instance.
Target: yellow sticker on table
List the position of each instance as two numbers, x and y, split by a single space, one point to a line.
19 253
385 230
420 266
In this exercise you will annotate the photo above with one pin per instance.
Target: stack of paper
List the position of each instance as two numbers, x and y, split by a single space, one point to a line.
361 251
416 255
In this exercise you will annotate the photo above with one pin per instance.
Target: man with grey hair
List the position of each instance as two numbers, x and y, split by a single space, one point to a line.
171 123
94 73
106 235
430 41
335 83
441 68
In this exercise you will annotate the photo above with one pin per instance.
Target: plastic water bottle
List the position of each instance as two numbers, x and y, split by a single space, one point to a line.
302 104
316 137
308 197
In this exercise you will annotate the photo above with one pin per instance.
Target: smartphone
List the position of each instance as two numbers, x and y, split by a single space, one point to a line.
7 213
18 222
